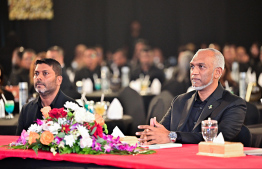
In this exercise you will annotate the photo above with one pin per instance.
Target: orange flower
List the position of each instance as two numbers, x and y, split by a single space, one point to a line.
46 138
32 137
99 119
45 111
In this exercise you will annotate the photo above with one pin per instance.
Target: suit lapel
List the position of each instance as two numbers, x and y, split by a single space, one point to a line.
186 112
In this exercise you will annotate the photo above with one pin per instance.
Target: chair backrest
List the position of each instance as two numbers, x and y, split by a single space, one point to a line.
244 137
159 105
252 114
175 87
133 105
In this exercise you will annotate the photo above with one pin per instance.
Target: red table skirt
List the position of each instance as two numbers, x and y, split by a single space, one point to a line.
182 157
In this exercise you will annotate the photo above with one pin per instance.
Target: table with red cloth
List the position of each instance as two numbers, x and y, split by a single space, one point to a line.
181 157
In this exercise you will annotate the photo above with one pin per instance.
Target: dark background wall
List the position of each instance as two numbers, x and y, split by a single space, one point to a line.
165 23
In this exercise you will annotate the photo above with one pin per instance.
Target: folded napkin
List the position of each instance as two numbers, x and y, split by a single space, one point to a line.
156 87
136 85
219 139
115 110
251 77
117 132
87 85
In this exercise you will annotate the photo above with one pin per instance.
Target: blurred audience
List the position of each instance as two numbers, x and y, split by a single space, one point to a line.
91 67
181 75
133 36
139 46
158 58
146 67
254 54
100 55
22 74
227 82
242 58
8 95
77 63
229 53
119 61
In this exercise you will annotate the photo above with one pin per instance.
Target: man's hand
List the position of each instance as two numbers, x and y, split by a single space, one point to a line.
154 133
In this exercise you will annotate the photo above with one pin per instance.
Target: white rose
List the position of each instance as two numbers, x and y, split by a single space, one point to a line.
86 142
83 131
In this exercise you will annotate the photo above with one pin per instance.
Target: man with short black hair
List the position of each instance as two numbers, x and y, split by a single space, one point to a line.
47 81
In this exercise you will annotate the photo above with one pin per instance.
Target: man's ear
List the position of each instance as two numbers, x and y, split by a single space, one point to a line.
59 80
218 72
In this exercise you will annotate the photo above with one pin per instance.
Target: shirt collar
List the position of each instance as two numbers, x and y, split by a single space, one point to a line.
39 102
216 94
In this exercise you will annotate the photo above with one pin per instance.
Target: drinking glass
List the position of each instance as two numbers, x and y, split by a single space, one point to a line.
100 108
209 129
9 108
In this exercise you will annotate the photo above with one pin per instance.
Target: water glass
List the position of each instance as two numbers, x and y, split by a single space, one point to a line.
209 129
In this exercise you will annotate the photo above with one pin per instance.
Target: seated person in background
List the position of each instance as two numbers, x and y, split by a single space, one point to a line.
180 81
100 55
226 78
22 75
91 67
147 67
8 95
242 58
57 53
47 81
182 122
119 61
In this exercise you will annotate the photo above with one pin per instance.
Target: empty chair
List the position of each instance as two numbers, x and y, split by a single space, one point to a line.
133 105
252 114
159 105
244 137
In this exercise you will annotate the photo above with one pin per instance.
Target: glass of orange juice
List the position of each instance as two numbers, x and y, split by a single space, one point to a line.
100 108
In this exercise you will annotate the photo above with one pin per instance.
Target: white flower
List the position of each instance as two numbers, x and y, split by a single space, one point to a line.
54 128
81 115
86 142
83 131
46 125
71 105
61 121
34 128
70 140
53 151
90 117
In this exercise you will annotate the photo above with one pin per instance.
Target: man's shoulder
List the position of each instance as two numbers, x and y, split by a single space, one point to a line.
231 98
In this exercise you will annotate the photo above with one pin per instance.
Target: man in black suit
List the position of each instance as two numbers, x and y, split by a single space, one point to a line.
146 67
182 122
47 81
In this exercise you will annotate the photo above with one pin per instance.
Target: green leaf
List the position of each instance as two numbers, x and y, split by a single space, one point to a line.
93 131
70 114
105 129
99 140
35 148
61 135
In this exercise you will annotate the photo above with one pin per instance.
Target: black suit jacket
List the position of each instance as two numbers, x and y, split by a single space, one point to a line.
31 111
228 109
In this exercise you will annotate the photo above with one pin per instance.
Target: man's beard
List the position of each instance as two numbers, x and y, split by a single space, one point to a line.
40 91
204 86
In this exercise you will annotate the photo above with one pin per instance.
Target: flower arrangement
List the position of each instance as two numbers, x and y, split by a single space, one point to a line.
72 130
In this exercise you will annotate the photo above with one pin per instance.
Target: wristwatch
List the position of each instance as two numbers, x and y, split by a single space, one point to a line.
172 136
